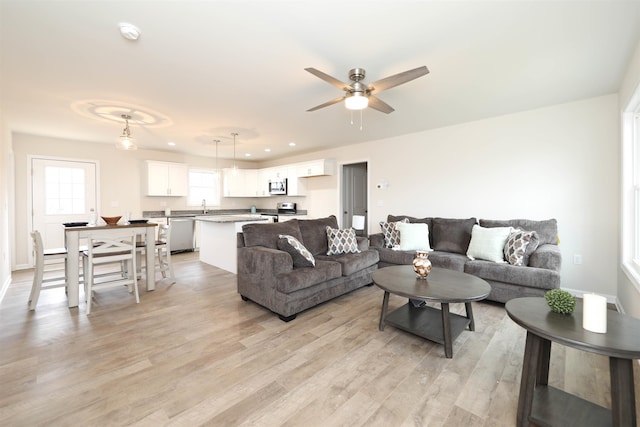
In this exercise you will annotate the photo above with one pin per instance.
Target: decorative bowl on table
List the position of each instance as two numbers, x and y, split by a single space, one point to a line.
111 220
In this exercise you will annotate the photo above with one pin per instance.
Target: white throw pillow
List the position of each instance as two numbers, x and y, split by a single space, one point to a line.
488 243
413 236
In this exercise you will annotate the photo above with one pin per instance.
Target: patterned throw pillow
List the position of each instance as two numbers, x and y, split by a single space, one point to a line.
391 233
342 241
516 246
301 256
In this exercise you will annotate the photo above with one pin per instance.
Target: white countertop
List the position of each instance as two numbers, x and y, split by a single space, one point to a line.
233 218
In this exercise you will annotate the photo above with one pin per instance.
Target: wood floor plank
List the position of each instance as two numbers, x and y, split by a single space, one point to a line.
194 354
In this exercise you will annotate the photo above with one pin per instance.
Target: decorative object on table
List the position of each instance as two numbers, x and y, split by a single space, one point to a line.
111 220
74 224
594 313
127 217
560 301
138 221
93 217
422 264
253 209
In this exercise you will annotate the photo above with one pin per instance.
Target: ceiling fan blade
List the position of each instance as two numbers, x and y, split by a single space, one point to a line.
327 78
378 104
326 104
397 79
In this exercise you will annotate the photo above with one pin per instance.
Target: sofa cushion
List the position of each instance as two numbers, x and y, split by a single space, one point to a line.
391 233
452 235
413 237
268 234
352 263
341 241
516 250
524 276
302 278
314 233
301 255
547 230
488 243
389 256
448 260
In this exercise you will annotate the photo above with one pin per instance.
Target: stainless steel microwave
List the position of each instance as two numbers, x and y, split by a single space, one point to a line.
278 186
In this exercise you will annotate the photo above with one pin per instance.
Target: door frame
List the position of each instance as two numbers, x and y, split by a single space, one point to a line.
30 158
342 190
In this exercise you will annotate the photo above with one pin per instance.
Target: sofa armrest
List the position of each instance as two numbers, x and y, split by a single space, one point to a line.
376 240
265 262
363 243
546 256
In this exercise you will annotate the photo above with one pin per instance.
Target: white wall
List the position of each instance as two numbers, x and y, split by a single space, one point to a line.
5 214
559 162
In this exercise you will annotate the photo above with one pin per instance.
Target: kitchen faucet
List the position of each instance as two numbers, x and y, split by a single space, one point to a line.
204 207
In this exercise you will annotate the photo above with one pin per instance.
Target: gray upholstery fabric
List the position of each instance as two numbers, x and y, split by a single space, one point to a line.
376 240
517 275
547 229
390 256
452 235
301 278
448 260
300 255
354 261
547 256
314 233
427 220
267 234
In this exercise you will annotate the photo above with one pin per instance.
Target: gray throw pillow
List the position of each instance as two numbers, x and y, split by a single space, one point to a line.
452 234
300 255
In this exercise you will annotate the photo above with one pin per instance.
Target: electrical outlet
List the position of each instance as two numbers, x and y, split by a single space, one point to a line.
577 259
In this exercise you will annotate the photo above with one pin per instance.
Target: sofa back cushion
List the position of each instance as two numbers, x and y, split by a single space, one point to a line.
452 234
267 235
314 233
547 230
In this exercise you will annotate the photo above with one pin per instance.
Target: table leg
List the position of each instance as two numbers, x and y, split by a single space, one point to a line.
446 331
472 323
150 261
72 268
542 375
623 400
383 312
533 352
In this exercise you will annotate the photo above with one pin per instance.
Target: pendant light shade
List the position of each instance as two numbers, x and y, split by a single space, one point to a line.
357 101
126 142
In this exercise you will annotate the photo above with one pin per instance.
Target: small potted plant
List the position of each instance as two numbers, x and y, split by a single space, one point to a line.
560 301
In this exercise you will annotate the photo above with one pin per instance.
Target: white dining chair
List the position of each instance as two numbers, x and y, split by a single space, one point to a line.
41 256
112 248
163 252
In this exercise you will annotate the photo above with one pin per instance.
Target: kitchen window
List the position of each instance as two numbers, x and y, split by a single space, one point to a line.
204 184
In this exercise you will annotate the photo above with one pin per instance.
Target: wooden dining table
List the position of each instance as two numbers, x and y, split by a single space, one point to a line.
72 236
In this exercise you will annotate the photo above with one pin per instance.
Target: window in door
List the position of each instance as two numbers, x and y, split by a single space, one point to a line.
65 190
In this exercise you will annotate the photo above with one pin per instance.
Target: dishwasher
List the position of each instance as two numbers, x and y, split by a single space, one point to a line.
182 233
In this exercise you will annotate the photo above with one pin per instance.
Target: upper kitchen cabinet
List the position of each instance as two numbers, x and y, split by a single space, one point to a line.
167 179
316 168
242 183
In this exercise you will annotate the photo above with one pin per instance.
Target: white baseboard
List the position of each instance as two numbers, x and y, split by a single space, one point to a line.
611 299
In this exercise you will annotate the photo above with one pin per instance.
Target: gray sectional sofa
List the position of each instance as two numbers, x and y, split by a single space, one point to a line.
268 274
450 239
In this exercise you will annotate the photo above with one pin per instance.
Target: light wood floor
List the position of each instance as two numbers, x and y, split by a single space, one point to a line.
194 353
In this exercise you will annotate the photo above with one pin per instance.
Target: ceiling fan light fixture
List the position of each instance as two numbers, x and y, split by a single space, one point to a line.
356 101
125 141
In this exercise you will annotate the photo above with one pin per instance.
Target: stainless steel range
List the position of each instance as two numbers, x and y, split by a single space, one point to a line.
286 208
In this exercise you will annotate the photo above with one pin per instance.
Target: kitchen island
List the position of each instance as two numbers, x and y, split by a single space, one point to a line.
218 237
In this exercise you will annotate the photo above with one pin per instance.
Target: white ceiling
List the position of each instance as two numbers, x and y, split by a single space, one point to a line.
215 67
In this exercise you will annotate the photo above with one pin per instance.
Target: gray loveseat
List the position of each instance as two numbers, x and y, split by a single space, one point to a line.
450 238
267 275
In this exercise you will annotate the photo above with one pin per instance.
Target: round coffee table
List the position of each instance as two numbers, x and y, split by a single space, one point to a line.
441 286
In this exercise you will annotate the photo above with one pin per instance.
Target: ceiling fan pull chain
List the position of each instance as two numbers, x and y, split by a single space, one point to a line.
351 116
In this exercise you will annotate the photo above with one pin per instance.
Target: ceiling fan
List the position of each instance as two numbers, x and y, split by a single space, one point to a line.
358 95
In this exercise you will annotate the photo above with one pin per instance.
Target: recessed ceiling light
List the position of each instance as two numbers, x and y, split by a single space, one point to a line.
292 144
129 31
171 144
268 150
247 154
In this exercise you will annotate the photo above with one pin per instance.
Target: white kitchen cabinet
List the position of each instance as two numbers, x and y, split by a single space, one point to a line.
316 168
167 179
243 183
295 186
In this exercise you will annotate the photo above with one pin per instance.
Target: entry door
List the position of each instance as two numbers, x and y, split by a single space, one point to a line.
61 191
354 191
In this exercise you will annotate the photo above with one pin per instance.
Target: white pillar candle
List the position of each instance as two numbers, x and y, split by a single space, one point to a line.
594 313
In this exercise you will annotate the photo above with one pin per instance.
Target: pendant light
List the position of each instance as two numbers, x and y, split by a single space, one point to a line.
217 168
126 142
235 168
